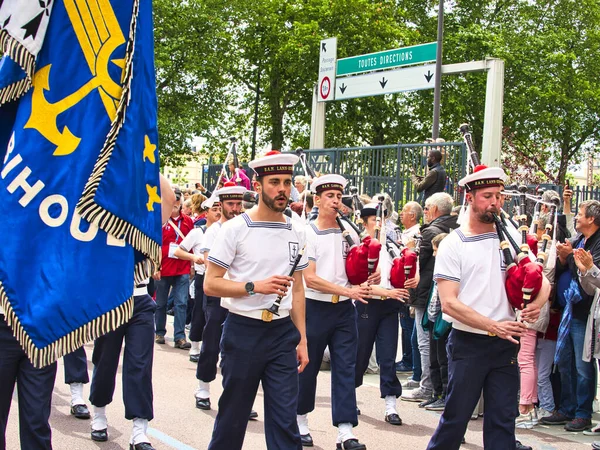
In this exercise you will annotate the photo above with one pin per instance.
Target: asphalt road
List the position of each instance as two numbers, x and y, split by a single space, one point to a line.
179 425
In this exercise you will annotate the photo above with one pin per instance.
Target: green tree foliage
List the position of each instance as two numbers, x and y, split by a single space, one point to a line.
213 58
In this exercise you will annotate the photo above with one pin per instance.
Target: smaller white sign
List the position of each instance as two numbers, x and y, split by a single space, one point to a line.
386 82
327 61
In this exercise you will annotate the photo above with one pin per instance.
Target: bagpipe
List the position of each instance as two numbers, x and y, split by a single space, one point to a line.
357 206
404 261
362 259
523 276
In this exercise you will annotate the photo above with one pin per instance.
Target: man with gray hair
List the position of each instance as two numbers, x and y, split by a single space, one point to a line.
438 218
577 377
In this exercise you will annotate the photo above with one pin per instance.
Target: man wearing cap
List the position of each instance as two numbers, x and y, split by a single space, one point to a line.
378 325
330 315
262 253
230 196
470 275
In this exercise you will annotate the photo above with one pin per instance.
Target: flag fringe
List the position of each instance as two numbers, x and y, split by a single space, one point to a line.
87 206
41 357
24 58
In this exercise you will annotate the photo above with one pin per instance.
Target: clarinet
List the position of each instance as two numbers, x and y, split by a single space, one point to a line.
267 314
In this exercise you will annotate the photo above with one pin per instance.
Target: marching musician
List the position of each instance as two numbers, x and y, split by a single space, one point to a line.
330 315
379 326
76 375
470 279
230 197
256 249
191 249
138 356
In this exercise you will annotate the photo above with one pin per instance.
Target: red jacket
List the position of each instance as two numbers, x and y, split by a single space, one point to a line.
170 266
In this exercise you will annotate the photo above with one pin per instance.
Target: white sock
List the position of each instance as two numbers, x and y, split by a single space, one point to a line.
302 420
203 390
390 404
138 433
76 394
345 432
195 349
99 420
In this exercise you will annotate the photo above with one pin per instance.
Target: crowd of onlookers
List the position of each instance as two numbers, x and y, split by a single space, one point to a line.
557 357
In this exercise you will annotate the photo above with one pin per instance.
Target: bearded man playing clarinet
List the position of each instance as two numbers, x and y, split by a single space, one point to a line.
261 251
330 314
481 346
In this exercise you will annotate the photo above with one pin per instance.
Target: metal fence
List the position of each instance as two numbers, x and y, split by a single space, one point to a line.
384 168
388 168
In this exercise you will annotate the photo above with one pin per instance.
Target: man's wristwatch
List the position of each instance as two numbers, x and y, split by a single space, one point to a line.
250 288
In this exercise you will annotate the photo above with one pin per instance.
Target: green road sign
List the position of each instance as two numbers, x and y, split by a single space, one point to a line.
405 56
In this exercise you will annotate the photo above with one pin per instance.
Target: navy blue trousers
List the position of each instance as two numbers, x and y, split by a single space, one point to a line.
214 315
76 370
138 334
380 329
479 363
34 393
256 352
198 320
333 325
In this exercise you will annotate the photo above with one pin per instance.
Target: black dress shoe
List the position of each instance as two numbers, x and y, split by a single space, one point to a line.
100 435
195 358
203 403
357 412
306 440
522 447
80 411
350 444
141 446
393 419
253 415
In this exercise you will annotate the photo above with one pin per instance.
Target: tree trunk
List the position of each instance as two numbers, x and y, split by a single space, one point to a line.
276 110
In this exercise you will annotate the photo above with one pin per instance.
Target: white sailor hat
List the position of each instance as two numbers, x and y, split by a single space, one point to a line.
274 163
484 177
329 182
210 202
230 191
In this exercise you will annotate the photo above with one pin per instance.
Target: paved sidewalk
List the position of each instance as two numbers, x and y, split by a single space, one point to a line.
179 425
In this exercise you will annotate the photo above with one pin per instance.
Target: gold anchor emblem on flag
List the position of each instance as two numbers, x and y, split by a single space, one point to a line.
99 35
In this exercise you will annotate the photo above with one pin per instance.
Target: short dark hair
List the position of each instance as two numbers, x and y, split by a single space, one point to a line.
436 154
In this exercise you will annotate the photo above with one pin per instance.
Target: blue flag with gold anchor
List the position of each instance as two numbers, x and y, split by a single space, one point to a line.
79 185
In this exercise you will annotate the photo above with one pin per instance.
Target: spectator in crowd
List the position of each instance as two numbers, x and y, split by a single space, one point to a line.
300 183
578 384
439 330
238 176
187 207
174 274
435 180
437 215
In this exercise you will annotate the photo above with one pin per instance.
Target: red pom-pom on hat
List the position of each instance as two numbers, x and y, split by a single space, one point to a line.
273 152
229 184
480 167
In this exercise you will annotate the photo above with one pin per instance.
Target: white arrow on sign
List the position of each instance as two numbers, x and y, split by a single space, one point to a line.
385 82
